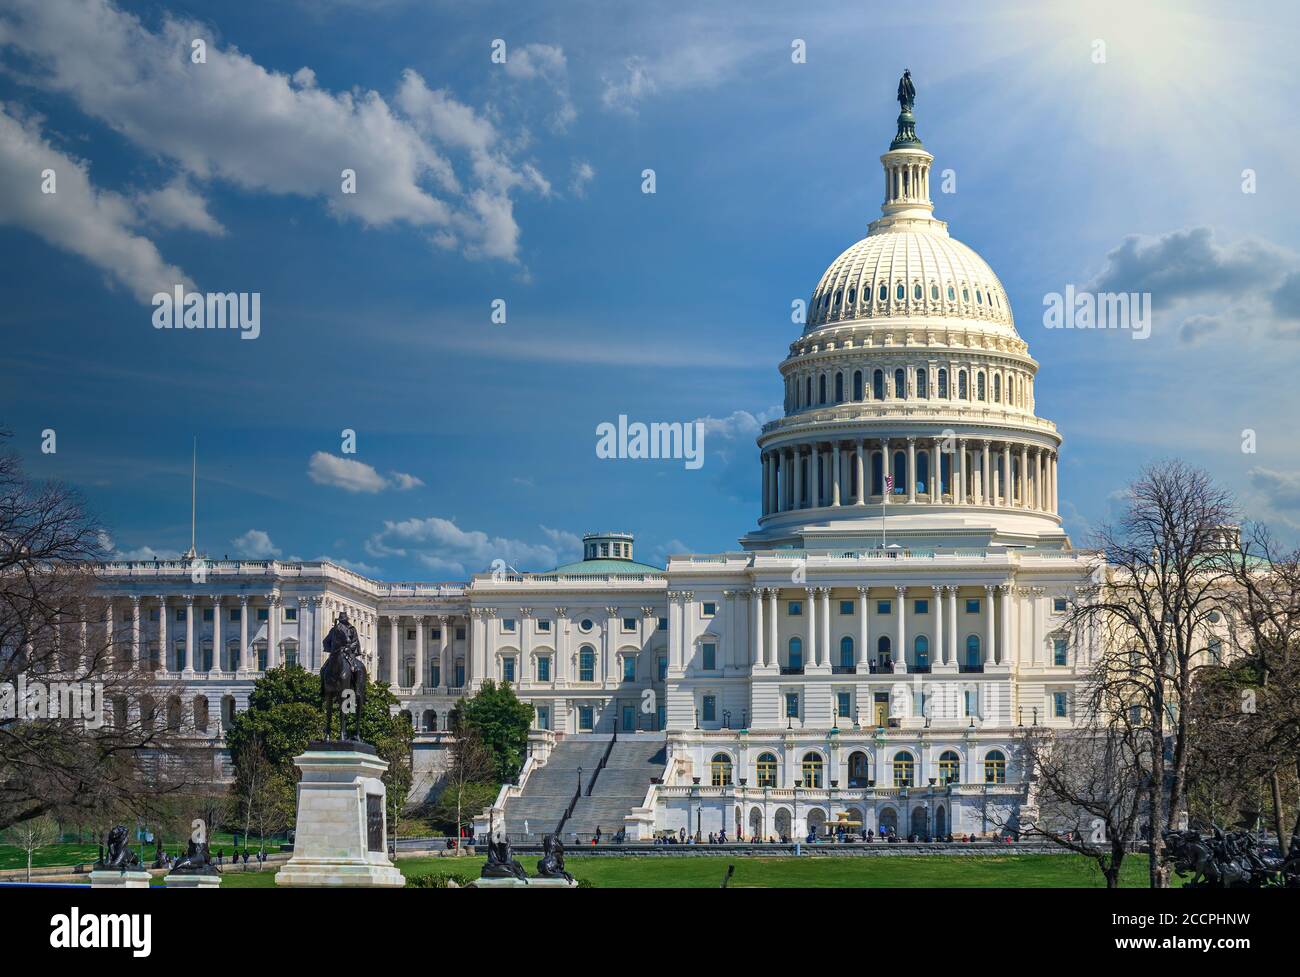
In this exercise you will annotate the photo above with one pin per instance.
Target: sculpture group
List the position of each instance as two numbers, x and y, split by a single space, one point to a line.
119 854
1232 860
501 863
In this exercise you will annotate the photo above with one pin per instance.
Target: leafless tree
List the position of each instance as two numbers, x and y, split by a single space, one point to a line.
1160 578
265 798
31 836
64 666
471 766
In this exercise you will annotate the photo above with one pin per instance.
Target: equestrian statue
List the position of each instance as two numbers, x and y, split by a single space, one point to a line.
343 678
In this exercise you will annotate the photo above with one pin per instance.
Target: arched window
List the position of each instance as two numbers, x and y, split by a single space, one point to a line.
921 651
900 384
963 392
821 389
853 294
200 706
796 653
997 388
900 473
949 768
916 291
943 384
174 713
973 660
922 470
766 770
878 385
859 769
839 388
720 768
857 384
904 769
839 293
812 770
923 383
995 767
899 293
807 396
934 293
882 294
952 296
587 664
430 721
846 652
883 655
979 296
979 386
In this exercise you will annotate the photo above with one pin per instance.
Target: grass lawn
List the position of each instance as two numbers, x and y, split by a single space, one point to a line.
902 871
73 854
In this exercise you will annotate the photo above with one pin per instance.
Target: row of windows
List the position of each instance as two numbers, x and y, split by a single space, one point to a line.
903 768
586 625
831 303
840 387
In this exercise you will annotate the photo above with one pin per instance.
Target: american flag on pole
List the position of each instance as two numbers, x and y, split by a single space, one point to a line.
889 484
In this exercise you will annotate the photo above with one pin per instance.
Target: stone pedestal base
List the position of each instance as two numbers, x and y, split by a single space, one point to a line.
184 881
518 884
112 878
341 835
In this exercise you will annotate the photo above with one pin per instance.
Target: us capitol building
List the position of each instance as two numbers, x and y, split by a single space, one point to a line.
867 656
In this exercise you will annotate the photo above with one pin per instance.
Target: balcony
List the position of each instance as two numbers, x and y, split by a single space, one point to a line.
843 670
918 669
791 669
970 669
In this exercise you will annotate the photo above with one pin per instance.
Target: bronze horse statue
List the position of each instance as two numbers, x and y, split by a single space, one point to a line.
344 672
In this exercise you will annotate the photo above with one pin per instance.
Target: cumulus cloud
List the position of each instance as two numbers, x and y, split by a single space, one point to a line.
235 120
355 476
445 547
255 545
178 205
95 224
111 551
1233 286
546 64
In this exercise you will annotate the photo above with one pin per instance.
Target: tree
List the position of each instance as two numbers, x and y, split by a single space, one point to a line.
75 744
470 782
501 722
31 836
1160 576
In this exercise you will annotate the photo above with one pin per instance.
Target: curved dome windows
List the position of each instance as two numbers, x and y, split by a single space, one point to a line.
839 294
934 293
839 388
943 384
883 293
963 392
965 294
997 388
899 293
916 291
900 384
979 387
922 384
853 295
821 389
878 385
857 384
952 294
979 296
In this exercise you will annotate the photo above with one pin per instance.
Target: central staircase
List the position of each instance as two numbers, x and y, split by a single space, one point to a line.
609 793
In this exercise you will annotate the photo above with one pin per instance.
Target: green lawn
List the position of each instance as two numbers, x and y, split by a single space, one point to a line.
73 854
902 871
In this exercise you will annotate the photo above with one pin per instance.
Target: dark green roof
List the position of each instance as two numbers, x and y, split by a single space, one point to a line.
603 566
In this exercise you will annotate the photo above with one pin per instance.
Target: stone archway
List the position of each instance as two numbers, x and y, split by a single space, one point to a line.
816 822
940 821
783 826
920 822
756 823
888 821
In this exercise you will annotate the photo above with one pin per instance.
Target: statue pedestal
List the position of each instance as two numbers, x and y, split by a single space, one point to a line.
519 884
341 835
192 881
112 878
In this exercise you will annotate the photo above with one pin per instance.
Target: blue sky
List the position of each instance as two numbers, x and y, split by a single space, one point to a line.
521 181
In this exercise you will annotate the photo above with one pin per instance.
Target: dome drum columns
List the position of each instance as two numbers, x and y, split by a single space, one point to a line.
850 472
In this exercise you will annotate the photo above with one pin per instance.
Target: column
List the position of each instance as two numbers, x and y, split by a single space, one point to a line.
162 632
986 486
246 662
900 653
562 644
810 606
936 476
814 478
675 632
420 673
959 472
861 472
1006 473
1039 496
952 624
1056 499
773 654
939 649
911 469
766 487
394 647
885 466
273 632
988 623
824 654
798 481
1024 476
1005 624
188 665
216 633
836 473
864 628
757 627
136 660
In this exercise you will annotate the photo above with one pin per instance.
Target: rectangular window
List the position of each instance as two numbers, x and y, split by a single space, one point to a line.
207 614
153 615
587 666
586 718
435 634
792 704
263 613
291 613
843 702
709 656
710 709
629 668
1058 605
544 670
1060 705
410 634
971 702
544 627
883 606
629 625
508 625
972 605
507 669
234 615
663 624
543 717
846 608
795 608
460 634
922 607
708 608
180 615
1060 652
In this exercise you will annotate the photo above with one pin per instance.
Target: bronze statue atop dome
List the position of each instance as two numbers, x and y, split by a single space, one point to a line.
906 91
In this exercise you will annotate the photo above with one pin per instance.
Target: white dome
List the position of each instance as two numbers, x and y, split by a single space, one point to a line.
912 270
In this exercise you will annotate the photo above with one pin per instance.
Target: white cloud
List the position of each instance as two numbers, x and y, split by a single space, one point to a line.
441 545
92 223
255 545
583 173
140 553
263 130
547 64
355 476
178 205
